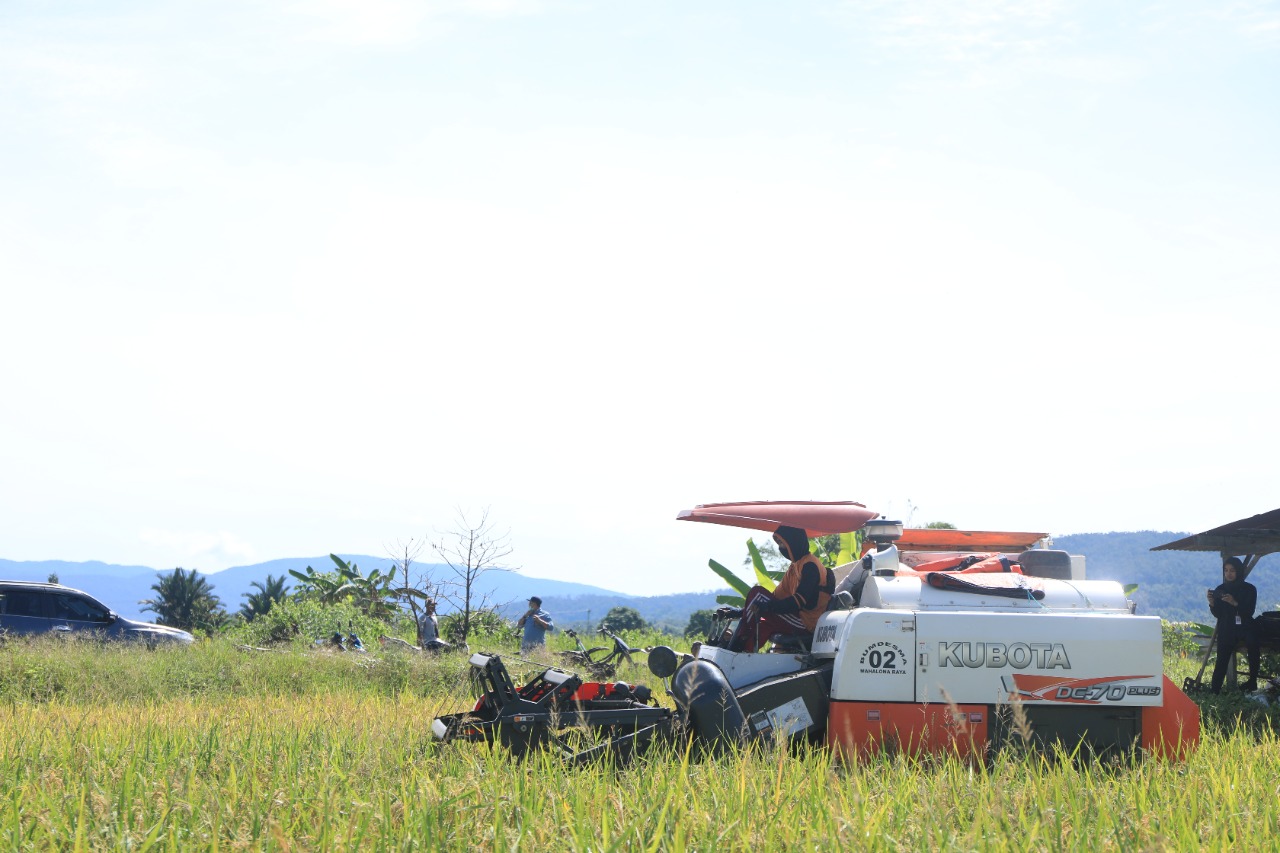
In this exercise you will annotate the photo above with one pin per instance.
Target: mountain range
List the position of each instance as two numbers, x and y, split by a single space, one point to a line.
1171 584
123 588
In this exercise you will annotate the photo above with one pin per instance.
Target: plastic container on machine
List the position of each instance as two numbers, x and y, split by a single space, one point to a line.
1042 595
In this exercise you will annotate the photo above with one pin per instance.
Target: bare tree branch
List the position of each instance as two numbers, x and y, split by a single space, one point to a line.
470 550
404 553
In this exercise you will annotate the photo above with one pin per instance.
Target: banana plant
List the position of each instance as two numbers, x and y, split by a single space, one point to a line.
329 587
764 578
850 547
370 591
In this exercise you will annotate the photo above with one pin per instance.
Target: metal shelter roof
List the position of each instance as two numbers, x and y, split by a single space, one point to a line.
1259 534
1251 538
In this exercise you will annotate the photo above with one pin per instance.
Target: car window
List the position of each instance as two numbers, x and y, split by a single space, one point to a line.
77 608
23 603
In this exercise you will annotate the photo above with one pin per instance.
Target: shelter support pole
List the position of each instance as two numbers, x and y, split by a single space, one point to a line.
1208 652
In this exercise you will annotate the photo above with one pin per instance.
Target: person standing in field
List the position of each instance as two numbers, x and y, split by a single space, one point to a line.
428 625
1233 603
536 622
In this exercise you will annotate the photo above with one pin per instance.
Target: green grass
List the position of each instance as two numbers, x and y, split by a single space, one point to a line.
109 748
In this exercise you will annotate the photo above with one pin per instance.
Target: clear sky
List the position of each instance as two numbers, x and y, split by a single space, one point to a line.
280 279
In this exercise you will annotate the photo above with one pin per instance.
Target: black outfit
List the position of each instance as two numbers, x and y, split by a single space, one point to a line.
1231 634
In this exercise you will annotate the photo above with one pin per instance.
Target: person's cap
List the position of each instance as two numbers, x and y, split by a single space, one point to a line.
533 599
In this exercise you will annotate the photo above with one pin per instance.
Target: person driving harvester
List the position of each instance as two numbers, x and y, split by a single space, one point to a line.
794 606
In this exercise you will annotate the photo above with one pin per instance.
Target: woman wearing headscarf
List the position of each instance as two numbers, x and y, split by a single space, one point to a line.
1233 603
795 605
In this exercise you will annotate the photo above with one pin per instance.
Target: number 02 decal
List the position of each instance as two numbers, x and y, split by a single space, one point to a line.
883 658
877 659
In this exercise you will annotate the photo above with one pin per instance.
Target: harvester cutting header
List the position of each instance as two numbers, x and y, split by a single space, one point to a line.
928 641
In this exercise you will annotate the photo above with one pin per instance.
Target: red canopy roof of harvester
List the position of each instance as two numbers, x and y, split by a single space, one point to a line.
815 518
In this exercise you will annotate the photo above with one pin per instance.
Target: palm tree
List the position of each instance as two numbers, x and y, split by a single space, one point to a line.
185 600
259 604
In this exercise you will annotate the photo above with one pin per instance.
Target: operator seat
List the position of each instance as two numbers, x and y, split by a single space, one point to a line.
851 586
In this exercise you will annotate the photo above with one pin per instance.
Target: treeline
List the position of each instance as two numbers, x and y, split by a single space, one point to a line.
669 613
1170 584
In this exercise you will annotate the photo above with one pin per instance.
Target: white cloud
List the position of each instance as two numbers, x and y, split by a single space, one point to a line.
395 22
1258 20
364 22
197 549
962 32
64 71
137 158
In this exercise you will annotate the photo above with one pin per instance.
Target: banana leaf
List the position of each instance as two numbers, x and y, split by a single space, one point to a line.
738 584
1130 588
850 546
764 577
731 600
347 571
307 578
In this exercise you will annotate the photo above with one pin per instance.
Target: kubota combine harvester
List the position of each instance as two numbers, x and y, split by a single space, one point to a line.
941 641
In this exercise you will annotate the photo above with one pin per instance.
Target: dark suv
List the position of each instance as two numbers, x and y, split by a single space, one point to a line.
50 608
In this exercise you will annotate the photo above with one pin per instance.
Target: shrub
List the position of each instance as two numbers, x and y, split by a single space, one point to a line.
1180 638
623 619
304 622
487 626
699 624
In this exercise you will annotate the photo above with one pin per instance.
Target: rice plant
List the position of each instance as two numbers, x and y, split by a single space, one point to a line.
103 748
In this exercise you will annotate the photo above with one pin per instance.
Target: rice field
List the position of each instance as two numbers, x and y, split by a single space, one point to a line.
210 748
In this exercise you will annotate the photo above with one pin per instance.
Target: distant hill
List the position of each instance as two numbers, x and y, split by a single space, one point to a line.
122 587
1171 584
668 612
